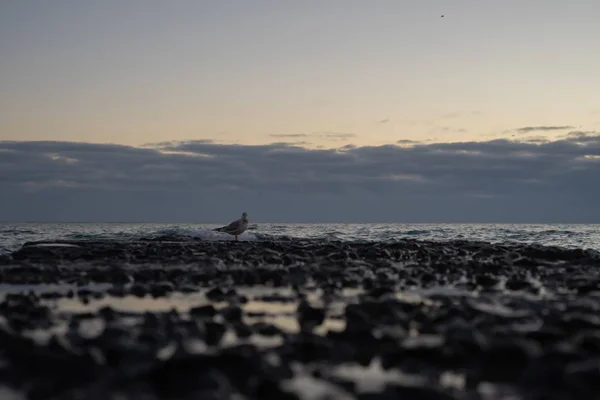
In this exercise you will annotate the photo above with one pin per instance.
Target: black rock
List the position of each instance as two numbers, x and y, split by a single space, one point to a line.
506 359
232 313
139 290
265 329
161 289
214 332
242 330
517 284
309 317
206 311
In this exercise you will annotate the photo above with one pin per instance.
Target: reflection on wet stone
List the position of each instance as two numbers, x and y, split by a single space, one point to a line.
299 319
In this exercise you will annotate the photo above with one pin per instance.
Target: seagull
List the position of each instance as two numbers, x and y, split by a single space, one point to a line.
236 227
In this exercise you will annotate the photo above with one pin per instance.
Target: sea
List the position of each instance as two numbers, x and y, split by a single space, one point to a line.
584 236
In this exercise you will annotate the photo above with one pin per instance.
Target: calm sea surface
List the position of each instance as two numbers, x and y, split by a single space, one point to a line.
13 235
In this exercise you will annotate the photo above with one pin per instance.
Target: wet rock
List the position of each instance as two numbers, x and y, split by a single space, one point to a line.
107 313
506 359
216 294
139 290
309 317
265 329
585 375
203 312
377 292
242 330
214 332
417 392
276 298
486 280
118 291
232 313
517 284
52 295
161 289
307 348
416 351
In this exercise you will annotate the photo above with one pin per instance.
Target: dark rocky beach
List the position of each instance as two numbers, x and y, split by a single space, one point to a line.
180 318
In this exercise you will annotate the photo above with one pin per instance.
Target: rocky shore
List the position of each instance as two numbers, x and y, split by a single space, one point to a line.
179 318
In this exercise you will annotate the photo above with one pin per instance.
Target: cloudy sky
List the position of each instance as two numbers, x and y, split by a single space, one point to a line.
337 110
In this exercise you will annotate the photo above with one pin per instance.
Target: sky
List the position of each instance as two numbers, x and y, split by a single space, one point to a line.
316 111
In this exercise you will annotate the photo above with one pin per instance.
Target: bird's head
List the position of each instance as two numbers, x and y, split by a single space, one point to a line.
245 217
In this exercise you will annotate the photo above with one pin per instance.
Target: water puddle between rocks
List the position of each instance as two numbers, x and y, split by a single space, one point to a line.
276 307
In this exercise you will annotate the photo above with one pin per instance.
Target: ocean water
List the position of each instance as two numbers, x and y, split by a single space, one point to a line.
14 235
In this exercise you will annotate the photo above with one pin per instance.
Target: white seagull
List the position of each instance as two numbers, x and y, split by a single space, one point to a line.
236 227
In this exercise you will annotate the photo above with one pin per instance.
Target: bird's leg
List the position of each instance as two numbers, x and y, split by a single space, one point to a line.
236 238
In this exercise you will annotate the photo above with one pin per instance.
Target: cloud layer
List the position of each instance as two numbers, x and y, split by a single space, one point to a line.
201 181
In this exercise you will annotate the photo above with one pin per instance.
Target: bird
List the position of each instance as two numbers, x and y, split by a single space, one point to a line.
236 227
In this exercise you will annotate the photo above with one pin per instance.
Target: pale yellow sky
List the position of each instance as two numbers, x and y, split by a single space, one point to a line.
137 127
270 72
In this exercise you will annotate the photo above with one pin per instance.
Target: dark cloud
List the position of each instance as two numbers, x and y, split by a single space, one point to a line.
528 129
578 135
200 181
176 142
406 141
534 139
293 143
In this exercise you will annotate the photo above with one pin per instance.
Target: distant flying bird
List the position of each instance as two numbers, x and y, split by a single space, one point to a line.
236 227
442 16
